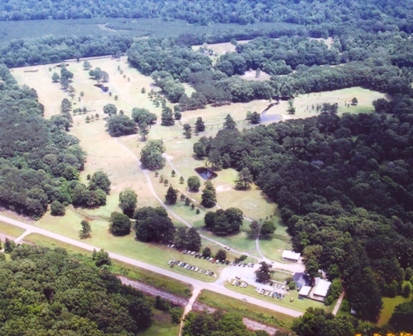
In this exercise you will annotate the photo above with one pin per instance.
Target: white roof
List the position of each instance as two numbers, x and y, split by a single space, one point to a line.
304 291
321 287
287 254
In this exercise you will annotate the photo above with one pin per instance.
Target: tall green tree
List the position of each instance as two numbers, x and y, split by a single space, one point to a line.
244 179
209 197
229 122
100 180
86 229
110 109
128 201
263 273
120 224
194 183
171 195
151 155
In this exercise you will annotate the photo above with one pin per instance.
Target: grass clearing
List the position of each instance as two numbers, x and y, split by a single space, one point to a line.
162 325
299 305
10 230
304 103
261 314
132 272
388 307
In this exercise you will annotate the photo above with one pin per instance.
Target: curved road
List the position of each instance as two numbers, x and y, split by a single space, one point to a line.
197 284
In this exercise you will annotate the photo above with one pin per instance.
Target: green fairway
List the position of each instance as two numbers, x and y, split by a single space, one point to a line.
388 307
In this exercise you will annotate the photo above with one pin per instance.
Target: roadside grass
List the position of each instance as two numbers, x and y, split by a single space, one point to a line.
132 272
303 103
299 305
388 307
154 254
161 326
10 230
249 310
341 311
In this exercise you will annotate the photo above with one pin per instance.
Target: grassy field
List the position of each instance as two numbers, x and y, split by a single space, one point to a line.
300 305
261 314
388 307
304 103
10 230
135 273
273 247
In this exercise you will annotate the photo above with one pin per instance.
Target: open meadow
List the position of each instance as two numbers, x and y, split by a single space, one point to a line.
119 157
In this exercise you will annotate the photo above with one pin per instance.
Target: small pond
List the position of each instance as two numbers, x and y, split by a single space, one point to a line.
270 117
206 173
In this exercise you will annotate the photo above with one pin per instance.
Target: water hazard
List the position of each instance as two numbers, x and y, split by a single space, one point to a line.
206 173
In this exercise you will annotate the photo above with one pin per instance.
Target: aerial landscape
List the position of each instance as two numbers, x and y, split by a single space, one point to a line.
208 167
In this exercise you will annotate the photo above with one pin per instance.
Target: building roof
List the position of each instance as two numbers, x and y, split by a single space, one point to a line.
304 291
287 254
321 287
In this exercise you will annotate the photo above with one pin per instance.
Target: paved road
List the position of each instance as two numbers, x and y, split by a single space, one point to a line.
197 284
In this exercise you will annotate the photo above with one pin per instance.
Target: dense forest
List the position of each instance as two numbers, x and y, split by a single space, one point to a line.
344 189
331 13
48 292
39 160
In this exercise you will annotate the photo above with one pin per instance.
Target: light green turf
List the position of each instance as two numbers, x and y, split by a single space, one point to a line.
300 305
10 230
273 247
388 307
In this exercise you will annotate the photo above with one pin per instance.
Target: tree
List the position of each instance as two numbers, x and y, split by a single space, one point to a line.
143 130
206 252
193 240
199 125
151 155
209 197
171 196
244 179
194 183
255 118
255 229
354 101
9 245
291 108
199 149
221 255
121 125
263 273
402 317
141 115
110 109
224 222
55 77
167 117
105 77
101 258
100 180
316 321
407 290
86 229
120 224
127 201
86 65
267 229
64 83
229 122
177 115
57 208
153 225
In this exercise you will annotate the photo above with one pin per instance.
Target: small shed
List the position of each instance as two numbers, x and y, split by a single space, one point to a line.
291 255
321 287
304 291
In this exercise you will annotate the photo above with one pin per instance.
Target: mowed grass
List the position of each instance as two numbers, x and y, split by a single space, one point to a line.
249 310
304 103
10 230
388 307
118 157
296 304
273 247
132 272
